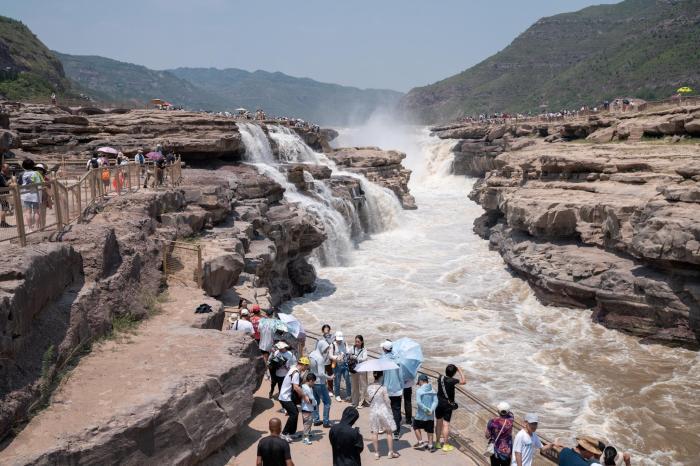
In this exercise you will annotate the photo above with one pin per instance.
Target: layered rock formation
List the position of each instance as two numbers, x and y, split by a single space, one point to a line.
381 167
613 227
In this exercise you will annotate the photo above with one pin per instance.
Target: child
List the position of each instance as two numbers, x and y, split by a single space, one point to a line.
308 405
427 401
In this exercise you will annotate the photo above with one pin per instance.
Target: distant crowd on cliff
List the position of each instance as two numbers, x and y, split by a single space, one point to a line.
339 369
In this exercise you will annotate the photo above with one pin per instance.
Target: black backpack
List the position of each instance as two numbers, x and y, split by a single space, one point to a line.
94 163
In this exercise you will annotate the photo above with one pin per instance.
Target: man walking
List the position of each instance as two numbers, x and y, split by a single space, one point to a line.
273 450
289 394
527 442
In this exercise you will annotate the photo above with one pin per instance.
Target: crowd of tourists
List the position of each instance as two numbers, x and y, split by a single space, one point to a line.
160 158
307 385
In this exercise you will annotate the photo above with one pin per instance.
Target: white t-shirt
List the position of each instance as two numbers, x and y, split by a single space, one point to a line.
526 446
242 326
289 380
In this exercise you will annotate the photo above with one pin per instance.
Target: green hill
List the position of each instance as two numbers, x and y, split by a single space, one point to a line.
641 48
280 94
118 82
28 69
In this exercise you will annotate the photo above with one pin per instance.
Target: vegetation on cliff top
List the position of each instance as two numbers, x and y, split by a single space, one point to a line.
640 48
28 69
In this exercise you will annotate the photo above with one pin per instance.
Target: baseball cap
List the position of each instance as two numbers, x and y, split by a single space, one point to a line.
532 418
244 312
422 378
387 345
339 336
304 360
256 309
503 407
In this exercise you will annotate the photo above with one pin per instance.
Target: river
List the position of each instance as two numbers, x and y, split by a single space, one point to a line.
431 278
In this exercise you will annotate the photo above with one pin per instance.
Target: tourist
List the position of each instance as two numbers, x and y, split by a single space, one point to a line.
358 355
308 406
499 432
53 98
610 457
318 359
329 337
94 162
426 402
527 442
274 450
31 196
338 356
407 397
381 418
46 196
241 324
393 382
289 393
280 364
255 320
5 180
446 404
586 451
346 440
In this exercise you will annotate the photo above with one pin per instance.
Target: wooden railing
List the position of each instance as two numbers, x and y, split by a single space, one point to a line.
44 208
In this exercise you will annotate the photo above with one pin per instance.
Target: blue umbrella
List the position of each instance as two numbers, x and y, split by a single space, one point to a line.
409 356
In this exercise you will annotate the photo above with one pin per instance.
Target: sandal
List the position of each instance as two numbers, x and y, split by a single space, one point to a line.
393 454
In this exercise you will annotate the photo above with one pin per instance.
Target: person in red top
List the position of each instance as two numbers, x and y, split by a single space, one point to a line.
255 320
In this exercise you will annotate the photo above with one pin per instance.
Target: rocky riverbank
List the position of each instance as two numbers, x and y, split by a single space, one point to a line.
64 296
593 219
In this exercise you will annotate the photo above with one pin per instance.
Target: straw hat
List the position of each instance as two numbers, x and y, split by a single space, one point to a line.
589 444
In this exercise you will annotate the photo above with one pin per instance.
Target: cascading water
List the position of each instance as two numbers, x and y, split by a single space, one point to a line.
432 279
342 219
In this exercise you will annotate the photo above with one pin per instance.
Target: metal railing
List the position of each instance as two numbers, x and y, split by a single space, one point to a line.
48 206
468 424
182 263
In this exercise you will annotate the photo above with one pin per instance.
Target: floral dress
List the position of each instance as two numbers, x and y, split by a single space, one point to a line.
380 417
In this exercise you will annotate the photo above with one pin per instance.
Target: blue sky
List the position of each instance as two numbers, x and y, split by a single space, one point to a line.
395 44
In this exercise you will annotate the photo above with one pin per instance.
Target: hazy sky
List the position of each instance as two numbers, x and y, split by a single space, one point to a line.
395 44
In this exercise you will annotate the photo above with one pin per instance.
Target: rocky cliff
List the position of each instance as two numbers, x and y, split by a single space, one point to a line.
594 220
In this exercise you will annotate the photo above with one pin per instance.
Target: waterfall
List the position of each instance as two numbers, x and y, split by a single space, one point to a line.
373 209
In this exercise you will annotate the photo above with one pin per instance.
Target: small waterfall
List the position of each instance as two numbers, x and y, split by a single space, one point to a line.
345 220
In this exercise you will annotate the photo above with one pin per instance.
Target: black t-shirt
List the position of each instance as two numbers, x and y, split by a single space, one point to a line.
274 451
3 181
449 383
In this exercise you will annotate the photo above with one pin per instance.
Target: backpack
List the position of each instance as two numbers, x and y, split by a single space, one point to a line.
105 174
140 159
276 362
94 163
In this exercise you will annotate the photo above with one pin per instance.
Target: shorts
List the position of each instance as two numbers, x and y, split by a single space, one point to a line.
428 426
31 206
4 205
443 411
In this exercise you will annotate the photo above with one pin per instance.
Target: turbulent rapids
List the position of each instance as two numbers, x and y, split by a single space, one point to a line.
431 278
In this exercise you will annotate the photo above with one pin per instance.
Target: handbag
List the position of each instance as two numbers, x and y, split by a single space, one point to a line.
491 448
452 404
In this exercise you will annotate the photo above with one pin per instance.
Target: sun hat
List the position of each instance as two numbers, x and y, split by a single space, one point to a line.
339 336
422 378
256 309
244 312
532 418
387 345
589 444
503 407
304 360
281 345
232 318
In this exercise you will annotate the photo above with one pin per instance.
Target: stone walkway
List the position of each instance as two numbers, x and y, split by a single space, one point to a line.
242 449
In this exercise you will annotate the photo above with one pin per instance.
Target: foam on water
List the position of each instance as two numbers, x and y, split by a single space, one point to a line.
433 279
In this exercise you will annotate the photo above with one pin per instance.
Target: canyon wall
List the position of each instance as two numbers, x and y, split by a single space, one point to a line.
593 219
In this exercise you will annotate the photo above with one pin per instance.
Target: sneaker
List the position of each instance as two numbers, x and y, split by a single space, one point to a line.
286 438
307 441
438 446
326 426
359 407
447 447
420 446
5 225
318 423
396 436
432 449
338 399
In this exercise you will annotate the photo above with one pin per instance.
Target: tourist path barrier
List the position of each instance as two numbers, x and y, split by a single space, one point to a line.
41 209
469 421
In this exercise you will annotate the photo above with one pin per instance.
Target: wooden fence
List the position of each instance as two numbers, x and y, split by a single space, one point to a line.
44 208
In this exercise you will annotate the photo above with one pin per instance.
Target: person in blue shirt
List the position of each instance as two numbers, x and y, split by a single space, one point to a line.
393 382
585 452
426 402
